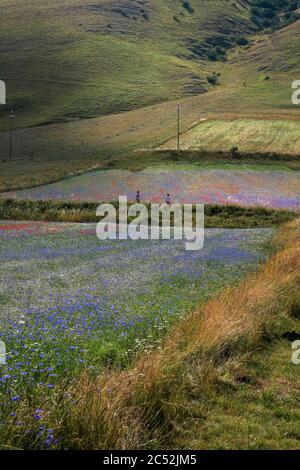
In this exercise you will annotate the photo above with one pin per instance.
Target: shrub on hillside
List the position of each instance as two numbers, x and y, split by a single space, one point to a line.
213 79
217 53
272 14
187 6
234 152
242 41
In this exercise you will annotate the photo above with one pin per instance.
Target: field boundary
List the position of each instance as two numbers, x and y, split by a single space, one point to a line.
145 158
220 216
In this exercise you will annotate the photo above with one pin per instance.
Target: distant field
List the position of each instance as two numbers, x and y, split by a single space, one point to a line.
249 135
49 153
260 186
220 216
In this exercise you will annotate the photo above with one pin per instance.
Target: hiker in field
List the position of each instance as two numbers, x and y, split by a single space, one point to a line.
168 199
138 197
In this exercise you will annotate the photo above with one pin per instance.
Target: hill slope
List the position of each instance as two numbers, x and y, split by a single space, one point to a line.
64 60
59 68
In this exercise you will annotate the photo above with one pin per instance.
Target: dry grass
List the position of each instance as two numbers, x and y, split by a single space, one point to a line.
248 135
135 408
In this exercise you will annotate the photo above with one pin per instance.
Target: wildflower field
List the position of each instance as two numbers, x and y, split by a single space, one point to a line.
140 344
247 186
70 302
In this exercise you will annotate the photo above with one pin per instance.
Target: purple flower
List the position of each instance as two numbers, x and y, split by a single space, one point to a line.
38 414
15 398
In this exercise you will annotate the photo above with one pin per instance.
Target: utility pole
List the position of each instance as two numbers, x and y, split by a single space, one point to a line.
178 126
11 117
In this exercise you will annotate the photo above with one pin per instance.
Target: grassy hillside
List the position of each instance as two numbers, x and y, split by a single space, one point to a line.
78 59
64 60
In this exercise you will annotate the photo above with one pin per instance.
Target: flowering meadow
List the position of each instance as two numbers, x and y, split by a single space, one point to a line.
69 301
277 189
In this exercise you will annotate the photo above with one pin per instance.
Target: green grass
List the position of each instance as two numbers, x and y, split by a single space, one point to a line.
206 159
215 216
82 60
254 405
222 161
251 400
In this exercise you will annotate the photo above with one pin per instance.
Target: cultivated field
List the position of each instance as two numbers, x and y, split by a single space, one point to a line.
50 153
248 135
274 187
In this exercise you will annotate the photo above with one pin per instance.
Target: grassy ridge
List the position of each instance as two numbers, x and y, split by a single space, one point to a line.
229 158
203 356
229 216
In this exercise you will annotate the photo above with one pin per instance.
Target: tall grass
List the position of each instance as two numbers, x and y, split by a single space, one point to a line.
136 408
226 216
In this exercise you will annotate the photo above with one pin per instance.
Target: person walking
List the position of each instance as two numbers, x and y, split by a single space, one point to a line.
138 197
168 199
